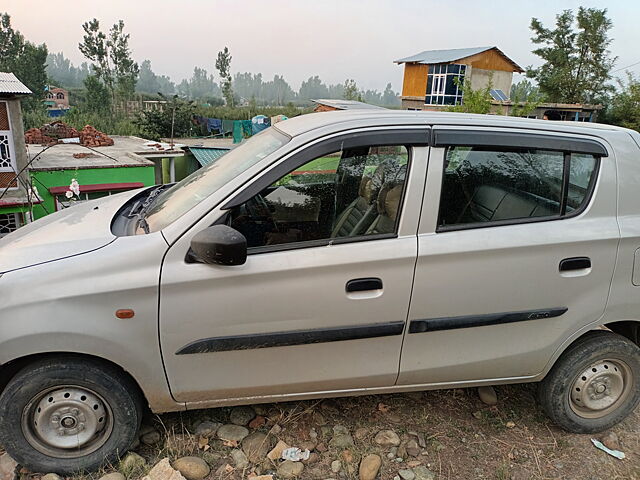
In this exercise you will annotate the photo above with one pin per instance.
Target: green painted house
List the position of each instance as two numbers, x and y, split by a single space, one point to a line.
128 164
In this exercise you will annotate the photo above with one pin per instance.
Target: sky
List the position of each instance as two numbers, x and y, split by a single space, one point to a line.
335 39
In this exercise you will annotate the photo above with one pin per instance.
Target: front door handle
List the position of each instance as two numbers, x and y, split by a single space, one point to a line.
575 263
363 284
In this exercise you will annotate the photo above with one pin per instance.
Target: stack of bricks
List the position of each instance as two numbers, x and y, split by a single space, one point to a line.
59 130
91 137
35 136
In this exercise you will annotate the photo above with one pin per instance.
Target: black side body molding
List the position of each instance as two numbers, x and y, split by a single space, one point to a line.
294 337
451 323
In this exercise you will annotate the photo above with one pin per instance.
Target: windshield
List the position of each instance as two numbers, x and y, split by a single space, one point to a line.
186 194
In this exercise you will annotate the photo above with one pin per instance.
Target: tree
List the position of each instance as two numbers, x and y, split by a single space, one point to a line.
174 118
147 80
313 88
526 97
473 101
351 90
223 65
63 73
577 64
624 109
98 97
199 86
24 59
111 57
389 97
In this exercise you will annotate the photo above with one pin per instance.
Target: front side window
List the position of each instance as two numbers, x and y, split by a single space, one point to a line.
355 192
484 184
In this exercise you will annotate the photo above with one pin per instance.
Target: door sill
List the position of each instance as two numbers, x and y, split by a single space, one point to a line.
356 392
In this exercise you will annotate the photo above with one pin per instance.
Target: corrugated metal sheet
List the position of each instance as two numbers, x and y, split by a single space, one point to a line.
207 155
346 104
442 56
9 83
430 57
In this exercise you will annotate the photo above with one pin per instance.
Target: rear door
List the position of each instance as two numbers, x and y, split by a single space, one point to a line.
516 250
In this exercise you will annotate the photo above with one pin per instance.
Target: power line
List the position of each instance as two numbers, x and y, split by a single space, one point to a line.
628 66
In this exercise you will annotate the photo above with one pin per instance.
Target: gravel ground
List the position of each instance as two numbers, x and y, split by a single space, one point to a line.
447 434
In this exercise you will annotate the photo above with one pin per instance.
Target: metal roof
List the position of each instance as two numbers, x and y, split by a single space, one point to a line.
347 104
207 155
429 57
9 83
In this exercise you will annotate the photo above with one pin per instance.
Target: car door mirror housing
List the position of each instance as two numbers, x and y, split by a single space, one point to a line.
220 245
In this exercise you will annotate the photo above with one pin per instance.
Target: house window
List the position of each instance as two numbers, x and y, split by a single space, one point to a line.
442 86
9 222
6 141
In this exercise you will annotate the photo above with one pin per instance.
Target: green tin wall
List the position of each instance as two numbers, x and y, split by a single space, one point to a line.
43 180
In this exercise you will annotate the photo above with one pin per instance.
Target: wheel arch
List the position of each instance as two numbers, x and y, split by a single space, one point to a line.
629 329
9 369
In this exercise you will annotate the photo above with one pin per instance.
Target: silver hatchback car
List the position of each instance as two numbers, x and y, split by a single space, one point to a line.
398 250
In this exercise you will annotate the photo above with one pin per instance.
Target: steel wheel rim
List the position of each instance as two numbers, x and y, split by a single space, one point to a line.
67 421
601 388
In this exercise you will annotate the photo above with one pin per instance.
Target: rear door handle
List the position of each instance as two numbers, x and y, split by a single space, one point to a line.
363 284
575 263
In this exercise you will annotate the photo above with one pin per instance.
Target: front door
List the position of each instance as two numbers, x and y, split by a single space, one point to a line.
322 301
515 254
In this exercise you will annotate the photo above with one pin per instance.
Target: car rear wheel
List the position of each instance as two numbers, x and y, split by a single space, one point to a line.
68 415
594 384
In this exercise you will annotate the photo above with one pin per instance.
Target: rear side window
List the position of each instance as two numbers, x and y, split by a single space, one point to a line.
483 185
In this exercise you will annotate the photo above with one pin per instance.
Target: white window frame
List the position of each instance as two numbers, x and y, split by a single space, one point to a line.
439 84
17 220
12 150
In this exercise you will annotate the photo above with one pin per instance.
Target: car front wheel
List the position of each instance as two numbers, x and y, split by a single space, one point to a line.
68 415
594 384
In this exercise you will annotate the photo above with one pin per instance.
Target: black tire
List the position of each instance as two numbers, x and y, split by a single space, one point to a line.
20 435
562 400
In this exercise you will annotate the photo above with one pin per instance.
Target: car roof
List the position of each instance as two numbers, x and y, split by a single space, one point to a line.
366 118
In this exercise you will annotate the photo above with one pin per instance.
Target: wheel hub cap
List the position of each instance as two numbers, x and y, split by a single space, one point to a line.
598 389
68 418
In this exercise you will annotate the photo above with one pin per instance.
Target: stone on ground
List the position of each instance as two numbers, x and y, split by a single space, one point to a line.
51 476
7 467
207 428
151 438
163 471
276 453
232 433
132 462
336 465
406 474
387 438
369 467
488 395
289 469
192 468
242 415
610 440
423 473
256 446
113 476
239 459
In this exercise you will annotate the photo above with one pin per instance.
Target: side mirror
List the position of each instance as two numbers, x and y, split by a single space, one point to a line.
221 245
